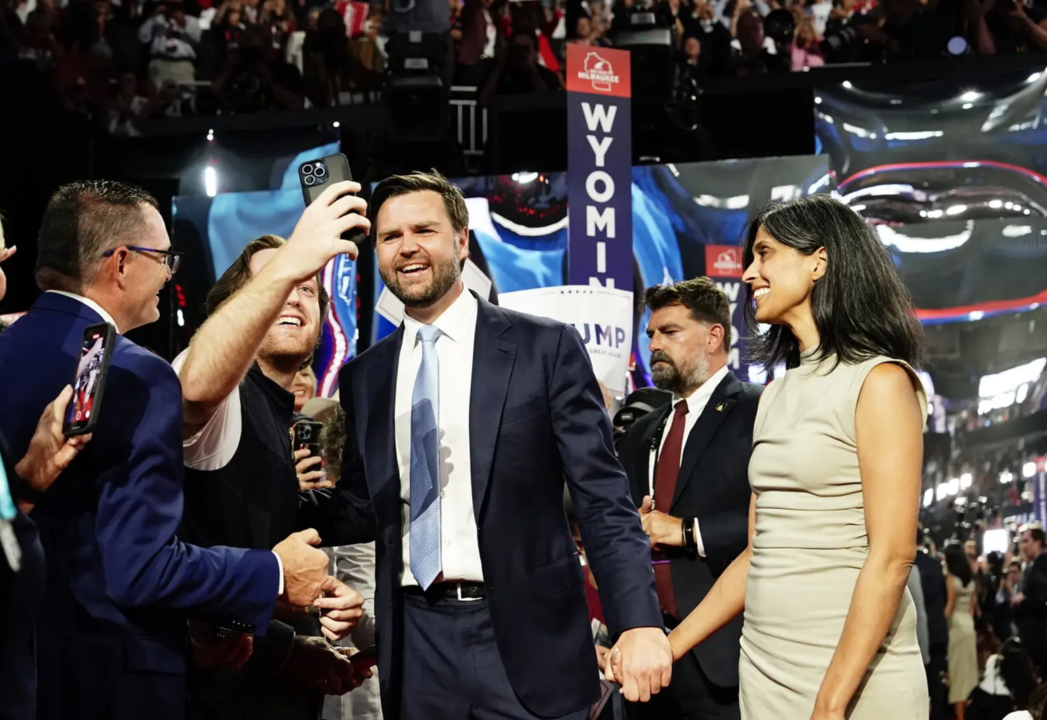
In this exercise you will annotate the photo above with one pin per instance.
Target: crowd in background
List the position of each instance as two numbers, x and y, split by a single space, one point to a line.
121 63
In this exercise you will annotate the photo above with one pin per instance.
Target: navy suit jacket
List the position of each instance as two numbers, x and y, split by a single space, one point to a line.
112 632
536 416
713 486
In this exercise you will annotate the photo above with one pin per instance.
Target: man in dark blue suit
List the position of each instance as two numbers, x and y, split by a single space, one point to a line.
461 427
112 631
688 465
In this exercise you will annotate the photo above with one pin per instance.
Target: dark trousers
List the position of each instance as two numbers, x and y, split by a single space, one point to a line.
939 691
452 668
690 696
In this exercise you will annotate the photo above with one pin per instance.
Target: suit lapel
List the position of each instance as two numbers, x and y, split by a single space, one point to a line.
648 445
381 420
701 435
493 359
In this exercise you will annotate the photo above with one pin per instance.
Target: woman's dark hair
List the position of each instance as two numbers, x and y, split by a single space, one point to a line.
860 307
1017 672
957 564
1038 703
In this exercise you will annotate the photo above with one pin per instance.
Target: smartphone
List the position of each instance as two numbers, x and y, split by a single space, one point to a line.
316 175
367 656
96 348
307 434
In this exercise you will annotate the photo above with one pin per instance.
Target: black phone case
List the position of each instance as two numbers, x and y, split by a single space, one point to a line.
335 169
71 430
313 443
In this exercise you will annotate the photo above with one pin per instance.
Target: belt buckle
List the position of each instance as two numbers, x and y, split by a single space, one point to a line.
458 589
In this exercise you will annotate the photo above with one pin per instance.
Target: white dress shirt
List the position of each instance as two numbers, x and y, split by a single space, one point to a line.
695 406
89 303
459 546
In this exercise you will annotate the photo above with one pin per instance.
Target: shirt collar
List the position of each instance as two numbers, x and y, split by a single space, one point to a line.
91 304
457 322
701 396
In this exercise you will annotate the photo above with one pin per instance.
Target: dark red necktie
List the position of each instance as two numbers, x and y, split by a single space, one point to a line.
666 472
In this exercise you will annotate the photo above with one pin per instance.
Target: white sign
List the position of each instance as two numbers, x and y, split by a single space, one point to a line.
390 307
603 317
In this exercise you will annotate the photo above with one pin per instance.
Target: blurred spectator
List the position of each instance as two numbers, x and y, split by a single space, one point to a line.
518 71
367 48
332 62
257 79
1006 684
671 13
304 388
483 39
276 15
1030 603
39 45
1003 618
227 27
172 38
804 50
1013 27
751 54
127 107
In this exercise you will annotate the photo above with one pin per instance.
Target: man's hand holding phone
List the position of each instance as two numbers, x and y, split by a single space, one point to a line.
50 451
317 238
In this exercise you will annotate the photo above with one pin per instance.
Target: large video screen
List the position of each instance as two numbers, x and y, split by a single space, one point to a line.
221 226
684 219
953 176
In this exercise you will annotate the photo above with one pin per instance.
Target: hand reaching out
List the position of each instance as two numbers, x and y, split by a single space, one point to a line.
305 567
341 608
50 452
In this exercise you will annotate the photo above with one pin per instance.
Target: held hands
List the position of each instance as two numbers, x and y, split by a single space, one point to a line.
305 567
50 452
310 479
663 530
641 662
317 238
341 608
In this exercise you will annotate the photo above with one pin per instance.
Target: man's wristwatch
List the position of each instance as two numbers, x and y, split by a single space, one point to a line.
688 534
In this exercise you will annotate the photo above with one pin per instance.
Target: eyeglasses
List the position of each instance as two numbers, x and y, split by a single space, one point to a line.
171 258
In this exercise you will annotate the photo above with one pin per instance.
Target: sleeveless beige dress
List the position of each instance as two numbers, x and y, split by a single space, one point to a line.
809 547
963 643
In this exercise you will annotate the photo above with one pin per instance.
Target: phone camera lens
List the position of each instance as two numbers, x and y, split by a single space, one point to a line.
307 169
320 170
309 180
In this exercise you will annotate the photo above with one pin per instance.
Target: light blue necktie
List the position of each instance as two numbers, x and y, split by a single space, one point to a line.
425 466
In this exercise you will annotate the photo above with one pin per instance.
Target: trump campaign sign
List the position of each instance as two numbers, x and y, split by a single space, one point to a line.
602 316
599 167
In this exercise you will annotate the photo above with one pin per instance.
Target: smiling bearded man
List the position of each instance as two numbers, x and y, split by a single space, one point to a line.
241 488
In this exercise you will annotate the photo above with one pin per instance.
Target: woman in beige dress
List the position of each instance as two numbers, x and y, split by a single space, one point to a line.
830 629
963 640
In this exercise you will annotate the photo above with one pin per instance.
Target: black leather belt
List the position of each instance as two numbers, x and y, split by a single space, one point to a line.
450 591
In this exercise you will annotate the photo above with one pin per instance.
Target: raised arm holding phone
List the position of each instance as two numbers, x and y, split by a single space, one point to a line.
265 317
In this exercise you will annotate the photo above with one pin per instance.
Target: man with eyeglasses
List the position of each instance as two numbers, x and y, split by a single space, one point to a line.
112 633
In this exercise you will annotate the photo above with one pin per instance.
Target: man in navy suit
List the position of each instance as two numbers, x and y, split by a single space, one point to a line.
112 631
688 465
461 428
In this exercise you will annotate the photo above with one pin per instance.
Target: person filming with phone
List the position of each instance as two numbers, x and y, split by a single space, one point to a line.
112 640
265 314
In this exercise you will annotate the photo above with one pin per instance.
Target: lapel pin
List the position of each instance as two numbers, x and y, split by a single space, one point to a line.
719 408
